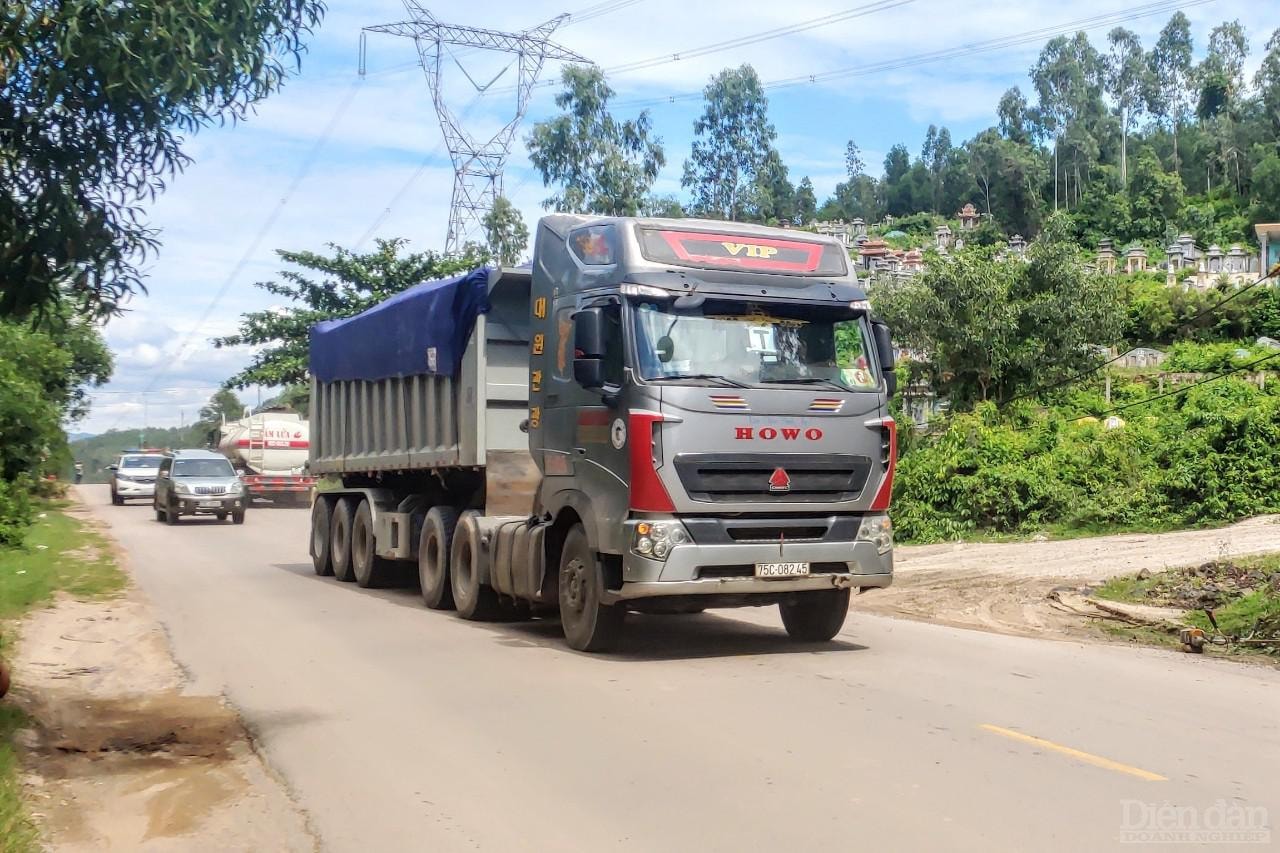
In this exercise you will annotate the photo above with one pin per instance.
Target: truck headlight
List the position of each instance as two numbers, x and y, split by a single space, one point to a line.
877 529
655 539
235 488
181 489
124 478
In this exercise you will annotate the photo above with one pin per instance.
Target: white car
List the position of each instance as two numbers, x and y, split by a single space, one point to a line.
134 475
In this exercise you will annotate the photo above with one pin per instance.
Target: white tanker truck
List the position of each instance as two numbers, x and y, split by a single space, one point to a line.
269 450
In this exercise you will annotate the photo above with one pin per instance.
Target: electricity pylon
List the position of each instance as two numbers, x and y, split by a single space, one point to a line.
477 163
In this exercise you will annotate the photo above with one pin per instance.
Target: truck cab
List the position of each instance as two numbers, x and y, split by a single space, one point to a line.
710 403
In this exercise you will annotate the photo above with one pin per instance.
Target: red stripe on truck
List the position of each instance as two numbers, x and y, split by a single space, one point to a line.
272 443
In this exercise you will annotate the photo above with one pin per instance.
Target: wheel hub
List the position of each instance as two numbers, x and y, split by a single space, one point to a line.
575 584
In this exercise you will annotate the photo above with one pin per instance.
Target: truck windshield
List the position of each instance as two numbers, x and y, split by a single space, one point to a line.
755 346
202 468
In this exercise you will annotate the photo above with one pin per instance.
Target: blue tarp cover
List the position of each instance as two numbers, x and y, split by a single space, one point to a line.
422 330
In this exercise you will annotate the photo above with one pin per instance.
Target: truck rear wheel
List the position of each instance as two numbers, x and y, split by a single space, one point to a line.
434 547
474 600
340 540
589 626
369 569
321 513
815 617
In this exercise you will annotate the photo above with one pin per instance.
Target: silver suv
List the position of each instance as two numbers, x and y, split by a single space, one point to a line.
134 475
199 482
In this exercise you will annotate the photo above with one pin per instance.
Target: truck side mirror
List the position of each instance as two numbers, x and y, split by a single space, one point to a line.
888 361
113 467
884 346
588 333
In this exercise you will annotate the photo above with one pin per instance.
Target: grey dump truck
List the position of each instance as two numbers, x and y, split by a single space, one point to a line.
657 416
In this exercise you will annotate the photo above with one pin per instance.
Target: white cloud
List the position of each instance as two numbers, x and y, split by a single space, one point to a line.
220 208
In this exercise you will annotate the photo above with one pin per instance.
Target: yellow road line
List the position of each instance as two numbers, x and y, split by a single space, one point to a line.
1086 757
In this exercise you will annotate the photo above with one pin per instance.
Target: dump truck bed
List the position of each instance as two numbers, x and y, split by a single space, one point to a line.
402 387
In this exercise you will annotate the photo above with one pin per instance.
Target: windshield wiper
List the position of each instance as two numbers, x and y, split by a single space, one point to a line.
806 380
714 377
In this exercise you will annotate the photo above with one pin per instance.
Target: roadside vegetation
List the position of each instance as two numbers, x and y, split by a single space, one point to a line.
60 554
1243 595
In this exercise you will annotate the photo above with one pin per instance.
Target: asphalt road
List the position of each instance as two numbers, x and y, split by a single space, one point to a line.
398 728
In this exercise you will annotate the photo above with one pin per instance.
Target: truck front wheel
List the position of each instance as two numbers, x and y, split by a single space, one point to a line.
434 547
815 617
589 625
473 599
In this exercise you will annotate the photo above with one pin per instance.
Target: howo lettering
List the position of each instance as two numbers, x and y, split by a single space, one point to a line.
658 416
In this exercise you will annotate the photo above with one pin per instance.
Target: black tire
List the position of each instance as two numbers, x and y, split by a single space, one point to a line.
434 547
588 625
170 514
237 516
221 516
321 512
815 617
371 571
116 500
474 600
340 540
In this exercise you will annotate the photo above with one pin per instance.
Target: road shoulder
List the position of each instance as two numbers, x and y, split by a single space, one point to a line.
120 755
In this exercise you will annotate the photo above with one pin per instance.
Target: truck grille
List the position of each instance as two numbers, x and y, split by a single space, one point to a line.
210 490
742 477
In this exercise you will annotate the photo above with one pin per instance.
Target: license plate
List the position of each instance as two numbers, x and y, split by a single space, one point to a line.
781 570
211 504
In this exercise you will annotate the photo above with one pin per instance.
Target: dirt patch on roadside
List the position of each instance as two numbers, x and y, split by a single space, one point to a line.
1034 589
120 758
1004 604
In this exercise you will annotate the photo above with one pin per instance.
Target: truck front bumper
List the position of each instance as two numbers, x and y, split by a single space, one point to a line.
696 569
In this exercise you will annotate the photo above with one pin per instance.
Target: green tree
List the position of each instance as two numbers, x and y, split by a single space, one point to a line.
224 405
806 202
994 330
1068 80
732 145
1155 197
773 198
1009 175
662 207
600 165
507 233
1015 117
95 99
34 371
1169 90
327 287
1267 82
1126 73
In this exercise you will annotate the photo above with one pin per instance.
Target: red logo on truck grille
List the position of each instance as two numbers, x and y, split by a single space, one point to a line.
780 481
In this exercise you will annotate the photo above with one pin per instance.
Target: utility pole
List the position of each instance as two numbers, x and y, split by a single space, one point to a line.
477 162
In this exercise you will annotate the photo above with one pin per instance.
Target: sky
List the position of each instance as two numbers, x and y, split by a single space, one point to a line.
338 158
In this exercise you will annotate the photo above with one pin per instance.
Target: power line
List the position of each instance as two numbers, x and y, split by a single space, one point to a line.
1003 42
753 38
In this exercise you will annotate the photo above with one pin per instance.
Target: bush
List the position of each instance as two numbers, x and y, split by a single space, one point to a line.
15 512
1210 455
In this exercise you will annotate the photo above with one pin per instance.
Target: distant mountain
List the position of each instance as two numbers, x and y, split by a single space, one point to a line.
99 451
80 436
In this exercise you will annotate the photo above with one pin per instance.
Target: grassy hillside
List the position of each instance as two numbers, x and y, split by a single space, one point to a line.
101 450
